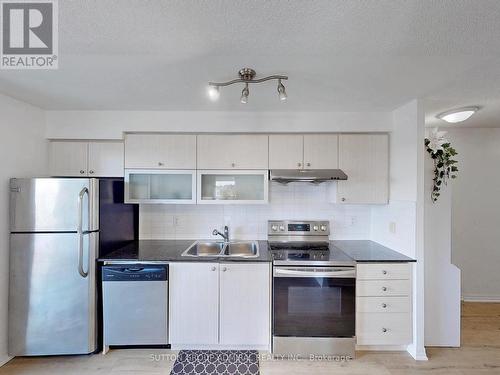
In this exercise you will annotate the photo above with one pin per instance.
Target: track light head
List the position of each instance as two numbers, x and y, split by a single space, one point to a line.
281 91
213 93
244 94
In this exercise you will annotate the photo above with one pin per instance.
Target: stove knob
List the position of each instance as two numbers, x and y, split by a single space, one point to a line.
282 228
274 227
315 228
323 228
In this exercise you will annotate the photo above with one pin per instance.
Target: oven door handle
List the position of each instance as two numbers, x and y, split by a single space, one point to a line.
335 273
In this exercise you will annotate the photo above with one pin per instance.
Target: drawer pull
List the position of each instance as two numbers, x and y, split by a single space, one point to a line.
213 268
384 272
384 289
384 305
384 330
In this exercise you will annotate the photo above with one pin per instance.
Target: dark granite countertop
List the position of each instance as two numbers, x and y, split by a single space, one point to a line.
361 251
365 251
170 251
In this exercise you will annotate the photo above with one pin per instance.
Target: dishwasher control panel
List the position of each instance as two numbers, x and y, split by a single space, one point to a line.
135 272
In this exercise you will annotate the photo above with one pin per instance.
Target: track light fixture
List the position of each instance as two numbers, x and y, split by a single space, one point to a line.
247 75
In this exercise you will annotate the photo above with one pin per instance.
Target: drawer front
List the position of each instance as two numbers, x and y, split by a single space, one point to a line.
383 271
383 304
383 329
376 288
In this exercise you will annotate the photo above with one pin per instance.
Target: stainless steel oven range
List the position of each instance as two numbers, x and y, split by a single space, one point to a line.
313 291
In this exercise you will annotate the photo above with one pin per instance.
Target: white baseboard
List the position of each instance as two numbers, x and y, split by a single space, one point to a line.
4 360
490 299
382 348
418 355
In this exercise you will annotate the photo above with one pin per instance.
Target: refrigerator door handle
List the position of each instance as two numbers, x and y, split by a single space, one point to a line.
81 233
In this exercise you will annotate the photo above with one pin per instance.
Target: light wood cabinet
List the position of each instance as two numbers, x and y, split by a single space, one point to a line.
228 151
224 305
106 159
286 151
303 151
160 151
383 304
68 158
321 151
365 160
193 304
245 304
86 158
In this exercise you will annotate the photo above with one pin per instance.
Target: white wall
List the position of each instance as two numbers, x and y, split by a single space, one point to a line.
112 124
442 278
476 212
23 153
405 208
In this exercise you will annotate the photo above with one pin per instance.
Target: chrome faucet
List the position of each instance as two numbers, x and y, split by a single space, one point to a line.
225 235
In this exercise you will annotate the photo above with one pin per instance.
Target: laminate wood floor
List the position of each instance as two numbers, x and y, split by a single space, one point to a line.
479 355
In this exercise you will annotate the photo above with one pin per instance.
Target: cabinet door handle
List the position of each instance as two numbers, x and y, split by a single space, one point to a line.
384 289
384 330
91 172
308 164
160 164
299 164
233 165
343 199
214 268
82 171
224 269
384 272
384 305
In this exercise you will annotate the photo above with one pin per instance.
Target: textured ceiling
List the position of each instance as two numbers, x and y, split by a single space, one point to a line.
370 55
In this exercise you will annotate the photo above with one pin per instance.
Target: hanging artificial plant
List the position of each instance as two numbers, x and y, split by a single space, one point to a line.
445 166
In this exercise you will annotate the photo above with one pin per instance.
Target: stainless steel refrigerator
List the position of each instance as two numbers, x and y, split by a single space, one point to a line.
54 224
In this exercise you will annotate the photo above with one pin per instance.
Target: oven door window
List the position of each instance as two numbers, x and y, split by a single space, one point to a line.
314 307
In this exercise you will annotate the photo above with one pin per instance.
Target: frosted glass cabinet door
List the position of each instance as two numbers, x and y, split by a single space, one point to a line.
155 186
232 187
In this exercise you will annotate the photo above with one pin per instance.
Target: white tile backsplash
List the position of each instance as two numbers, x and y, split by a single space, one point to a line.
293 201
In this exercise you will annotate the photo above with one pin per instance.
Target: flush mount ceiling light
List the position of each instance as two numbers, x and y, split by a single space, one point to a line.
458 115
247 76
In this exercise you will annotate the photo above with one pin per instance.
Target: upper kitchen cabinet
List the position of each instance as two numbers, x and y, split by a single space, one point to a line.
286 151
160 151
365 160
321 151
231 151
84 158
68 158
309 151
106 159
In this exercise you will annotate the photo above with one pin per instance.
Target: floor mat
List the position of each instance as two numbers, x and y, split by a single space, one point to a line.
217 362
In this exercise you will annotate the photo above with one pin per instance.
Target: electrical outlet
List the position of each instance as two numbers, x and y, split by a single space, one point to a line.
392 227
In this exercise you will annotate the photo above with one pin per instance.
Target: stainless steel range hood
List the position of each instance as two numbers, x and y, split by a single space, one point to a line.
314 176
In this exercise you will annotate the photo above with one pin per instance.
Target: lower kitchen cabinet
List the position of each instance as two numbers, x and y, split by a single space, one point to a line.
245 304
218 306
194 304
383 304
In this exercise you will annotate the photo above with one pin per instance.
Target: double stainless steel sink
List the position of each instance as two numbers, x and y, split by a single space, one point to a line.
240 249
